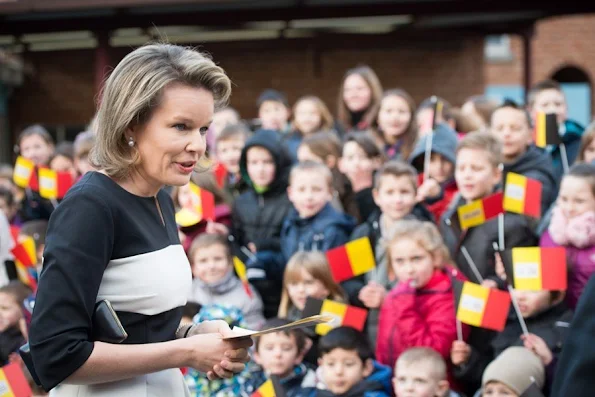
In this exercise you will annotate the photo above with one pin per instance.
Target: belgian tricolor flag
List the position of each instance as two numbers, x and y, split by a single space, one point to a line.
13 382
480 211
344 315
220 173
536 268
522 195
480 306
23 172
25 255
546 130
270 388
352 259
204 208
54 185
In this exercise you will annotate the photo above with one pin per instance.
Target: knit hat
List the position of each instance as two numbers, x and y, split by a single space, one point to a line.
515 367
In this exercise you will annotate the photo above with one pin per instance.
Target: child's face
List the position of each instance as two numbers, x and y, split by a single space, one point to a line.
187 198
357 95
440 168
229 153
305 154
36 149
532 302
575 197
497 389
394 118
411 263
416 380
306 286
511 127
10 312
589 153
63 164
309 192
395 196
211 264
342 369
278 354
475 175
222 119
307 118
260 166
551 101
273 115
354 160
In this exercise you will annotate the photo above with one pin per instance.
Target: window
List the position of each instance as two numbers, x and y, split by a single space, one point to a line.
497 48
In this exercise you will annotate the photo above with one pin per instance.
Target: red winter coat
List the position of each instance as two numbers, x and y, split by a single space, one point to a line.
419 318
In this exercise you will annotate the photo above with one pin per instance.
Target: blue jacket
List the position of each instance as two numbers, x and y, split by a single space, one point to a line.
327 229
572 142
376 385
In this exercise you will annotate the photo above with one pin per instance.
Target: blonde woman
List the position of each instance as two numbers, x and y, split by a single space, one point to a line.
114 237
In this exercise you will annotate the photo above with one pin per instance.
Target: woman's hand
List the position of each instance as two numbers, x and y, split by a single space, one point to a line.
460 352
209 327
218 358
372 295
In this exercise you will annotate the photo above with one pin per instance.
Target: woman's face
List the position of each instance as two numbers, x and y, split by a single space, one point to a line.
173 140
36 149
356 93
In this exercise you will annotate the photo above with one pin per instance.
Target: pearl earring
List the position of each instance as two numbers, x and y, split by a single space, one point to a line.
130 142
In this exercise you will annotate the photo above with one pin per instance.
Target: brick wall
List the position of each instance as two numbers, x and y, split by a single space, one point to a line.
61 91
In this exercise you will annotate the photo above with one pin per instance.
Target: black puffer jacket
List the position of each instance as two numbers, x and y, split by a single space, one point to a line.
257 217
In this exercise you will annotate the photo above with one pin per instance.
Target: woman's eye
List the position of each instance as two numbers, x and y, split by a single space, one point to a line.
203 130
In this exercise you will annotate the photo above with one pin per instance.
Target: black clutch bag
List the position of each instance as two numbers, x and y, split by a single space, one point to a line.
106 328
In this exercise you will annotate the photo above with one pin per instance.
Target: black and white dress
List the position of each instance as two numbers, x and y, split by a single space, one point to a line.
106 243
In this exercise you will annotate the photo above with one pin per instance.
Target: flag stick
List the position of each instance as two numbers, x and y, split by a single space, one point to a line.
248 253
518 311
459 330
501 231
564 157
471 264
428 156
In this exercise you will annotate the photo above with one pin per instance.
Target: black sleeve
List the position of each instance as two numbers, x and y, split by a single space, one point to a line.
575 366
78 248
365 203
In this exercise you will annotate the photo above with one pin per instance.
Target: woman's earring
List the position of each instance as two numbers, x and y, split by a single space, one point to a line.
130 142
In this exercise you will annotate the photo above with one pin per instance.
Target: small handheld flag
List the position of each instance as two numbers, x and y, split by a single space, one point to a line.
480 211
344 315
522 195
54 185
536 269
240 268
352 259
546 130
25 255
220 173
13 382
203 207
480 306
270 388
23 171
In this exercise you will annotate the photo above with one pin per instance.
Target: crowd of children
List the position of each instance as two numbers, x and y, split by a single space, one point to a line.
301 183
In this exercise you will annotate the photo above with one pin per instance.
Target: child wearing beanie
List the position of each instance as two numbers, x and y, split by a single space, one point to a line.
512 372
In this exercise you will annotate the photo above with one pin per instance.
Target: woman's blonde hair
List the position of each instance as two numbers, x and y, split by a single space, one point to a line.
586 140
326 119
425 234
133 91
315 263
